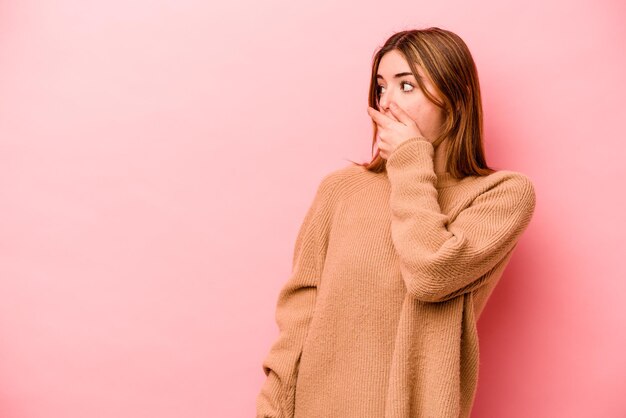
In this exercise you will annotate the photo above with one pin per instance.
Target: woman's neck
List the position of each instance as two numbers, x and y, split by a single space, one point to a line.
439 160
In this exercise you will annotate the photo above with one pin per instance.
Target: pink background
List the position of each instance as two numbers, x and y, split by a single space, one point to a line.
157 158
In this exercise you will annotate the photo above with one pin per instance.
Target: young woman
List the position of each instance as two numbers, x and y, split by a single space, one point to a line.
396 258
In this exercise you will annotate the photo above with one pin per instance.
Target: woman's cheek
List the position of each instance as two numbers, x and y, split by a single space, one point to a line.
414 114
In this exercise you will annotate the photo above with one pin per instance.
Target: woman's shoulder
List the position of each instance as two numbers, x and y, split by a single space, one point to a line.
516 185
510 179
347 178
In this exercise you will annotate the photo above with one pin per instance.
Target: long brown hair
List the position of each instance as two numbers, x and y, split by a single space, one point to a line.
447 61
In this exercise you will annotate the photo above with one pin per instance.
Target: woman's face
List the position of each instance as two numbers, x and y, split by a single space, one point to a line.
406 93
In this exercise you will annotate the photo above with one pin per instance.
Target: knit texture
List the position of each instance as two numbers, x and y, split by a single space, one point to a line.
391 271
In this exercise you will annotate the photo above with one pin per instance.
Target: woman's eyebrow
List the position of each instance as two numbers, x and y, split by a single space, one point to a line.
395 76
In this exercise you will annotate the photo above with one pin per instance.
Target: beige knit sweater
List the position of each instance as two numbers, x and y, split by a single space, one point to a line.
390 273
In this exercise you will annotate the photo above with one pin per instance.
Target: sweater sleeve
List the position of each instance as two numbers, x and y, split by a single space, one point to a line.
294 310
439 258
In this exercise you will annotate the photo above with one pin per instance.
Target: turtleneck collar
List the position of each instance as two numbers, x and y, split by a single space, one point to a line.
446 179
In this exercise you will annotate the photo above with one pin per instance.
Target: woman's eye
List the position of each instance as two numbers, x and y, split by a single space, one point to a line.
403 84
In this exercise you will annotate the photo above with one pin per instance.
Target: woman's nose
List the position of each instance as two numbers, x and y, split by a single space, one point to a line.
384 101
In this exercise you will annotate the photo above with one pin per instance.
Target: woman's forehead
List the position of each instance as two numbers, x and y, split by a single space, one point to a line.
393 65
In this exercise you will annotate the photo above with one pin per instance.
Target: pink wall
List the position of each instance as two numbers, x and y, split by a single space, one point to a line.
157 157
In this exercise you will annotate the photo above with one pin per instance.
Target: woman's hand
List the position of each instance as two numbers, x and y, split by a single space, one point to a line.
393 130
